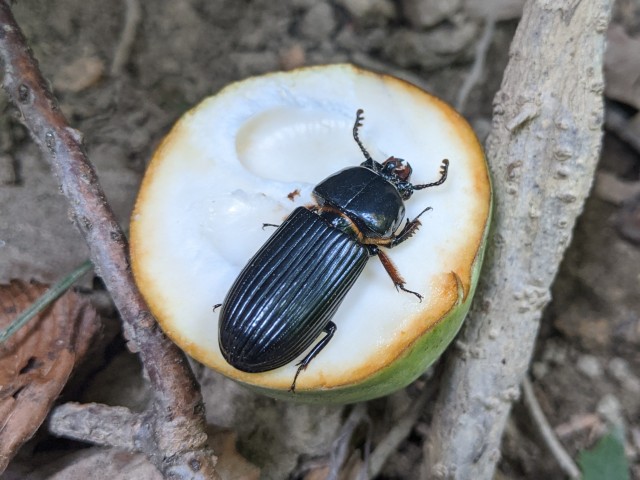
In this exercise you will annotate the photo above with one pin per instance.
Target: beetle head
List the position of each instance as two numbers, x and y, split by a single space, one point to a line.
397 167
398 171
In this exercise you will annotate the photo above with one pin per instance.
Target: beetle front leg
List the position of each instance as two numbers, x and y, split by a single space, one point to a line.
409 229
330 329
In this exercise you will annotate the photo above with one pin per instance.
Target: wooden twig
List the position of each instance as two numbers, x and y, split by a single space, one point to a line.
133 16
477 69
104 425
399 432
565 461
542 153
177 442
340 447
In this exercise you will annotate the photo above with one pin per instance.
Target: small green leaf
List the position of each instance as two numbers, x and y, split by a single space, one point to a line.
606 460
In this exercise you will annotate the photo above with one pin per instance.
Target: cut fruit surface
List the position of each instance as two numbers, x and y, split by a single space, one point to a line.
251 154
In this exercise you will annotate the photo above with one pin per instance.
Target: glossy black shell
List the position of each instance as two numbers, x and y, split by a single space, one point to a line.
364 196
288 292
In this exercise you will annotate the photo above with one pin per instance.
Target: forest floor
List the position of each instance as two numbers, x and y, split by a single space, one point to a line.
586 369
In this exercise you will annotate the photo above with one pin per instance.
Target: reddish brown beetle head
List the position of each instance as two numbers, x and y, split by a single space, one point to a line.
398 167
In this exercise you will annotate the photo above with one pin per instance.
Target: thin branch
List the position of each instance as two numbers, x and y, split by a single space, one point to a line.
399 432
133 16
179 441
551 441
340 447
477 69
542 153
103 425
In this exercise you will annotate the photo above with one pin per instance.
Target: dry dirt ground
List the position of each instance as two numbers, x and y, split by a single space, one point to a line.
586 369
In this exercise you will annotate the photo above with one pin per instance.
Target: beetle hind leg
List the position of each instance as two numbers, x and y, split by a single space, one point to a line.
330 329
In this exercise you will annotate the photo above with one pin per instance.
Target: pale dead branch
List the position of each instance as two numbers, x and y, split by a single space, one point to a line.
542 152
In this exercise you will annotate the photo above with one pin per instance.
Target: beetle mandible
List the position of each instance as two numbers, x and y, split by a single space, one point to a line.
286 295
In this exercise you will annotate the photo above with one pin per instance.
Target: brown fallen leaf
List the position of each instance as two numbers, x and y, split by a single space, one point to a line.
36 362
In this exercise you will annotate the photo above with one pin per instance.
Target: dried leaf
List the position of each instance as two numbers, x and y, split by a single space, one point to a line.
622 67
36 362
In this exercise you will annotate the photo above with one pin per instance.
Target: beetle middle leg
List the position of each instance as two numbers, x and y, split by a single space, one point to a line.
330 329
392 271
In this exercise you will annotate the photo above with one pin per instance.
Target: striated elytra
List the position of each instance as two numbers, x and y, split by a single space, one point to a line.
291 288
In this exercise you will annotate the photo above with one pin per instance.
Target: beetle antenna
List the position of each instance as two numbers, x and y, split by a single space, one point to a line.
444 168
356 125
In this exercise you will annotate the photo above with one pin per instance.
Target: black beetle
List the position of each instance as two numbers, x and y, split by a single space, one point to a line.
287 294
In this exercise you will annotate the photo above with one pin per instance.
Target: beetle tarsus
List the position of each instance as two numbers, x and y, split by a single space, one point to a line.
330 329
292 388
216 306
401 287
269 225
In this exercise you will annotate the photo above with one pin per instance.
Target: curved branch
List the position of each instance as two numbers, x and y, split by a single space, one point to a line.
180 442
542 151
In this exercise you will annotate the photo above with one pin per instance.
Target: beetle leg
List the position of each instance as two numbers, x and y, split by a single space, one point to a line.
216 306
407 232
444 168
330 329
391 269
269 225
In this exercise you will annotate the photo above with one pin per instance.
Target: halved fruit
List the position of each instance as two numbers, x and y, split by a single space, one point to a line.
251 154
